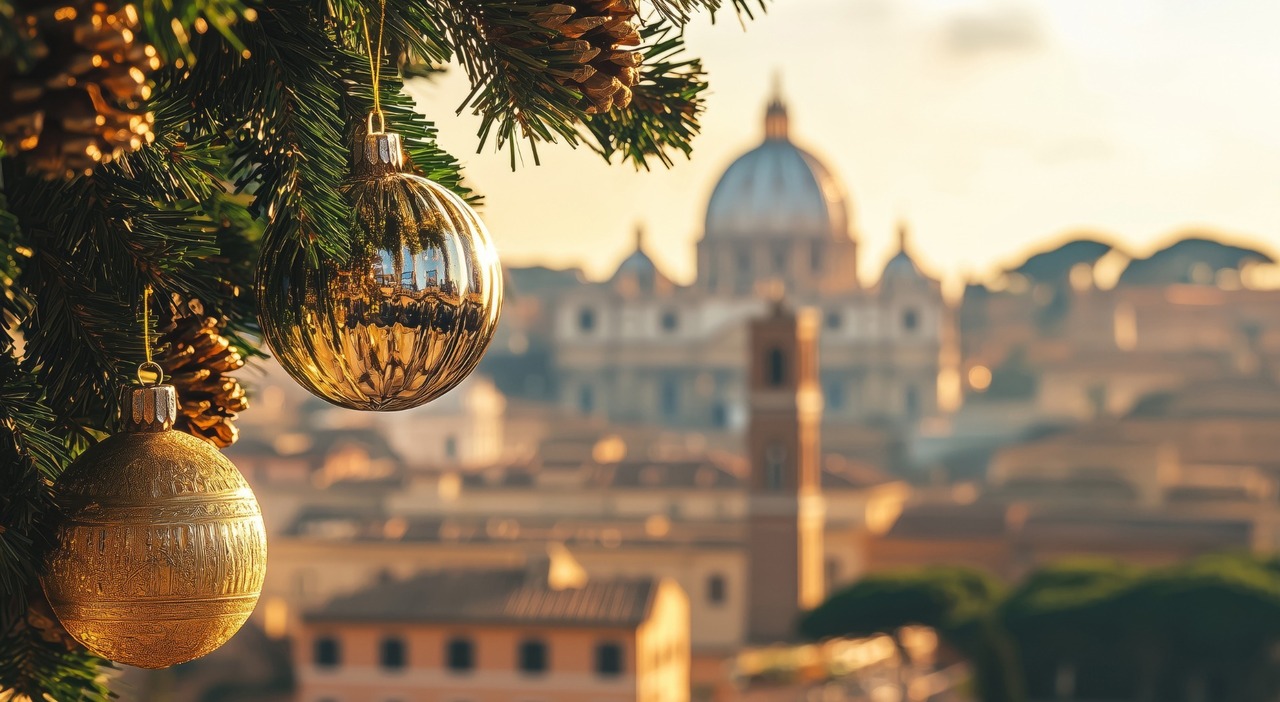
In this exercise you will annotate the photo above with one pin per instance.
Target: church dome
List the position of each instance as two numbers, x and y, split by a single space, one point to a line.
778 189
902 268
638 273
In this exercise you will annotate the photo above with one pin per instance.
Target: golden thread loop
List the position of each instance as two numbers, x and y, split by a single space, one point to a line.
146 342
375 65
154 368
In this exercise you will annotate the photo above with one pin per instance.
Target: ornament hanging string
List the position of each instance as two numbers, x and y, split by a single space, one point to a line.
375 66
148 365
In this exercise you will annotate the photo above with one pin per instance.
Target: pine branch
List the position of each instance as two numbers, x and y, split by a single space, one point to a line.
679 12
665 107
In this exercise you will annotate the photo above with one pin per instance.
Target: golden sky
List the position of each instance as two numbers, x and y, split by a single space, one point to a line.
991 126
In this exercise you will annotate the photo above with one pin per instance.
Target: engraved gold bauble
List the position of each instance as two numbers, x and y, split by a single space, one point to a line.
161 553
409 314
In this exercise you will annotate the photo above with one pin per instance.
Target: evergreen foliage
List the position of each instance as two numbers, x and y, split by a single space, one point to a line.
1208 629
254 110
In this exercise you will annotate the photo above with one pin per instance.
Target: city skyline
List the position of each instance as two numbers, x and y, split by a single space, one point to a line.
993 127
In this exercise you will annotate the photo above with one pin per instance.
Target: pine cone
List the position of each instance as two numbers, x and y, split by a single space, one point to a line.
196 357
80 102
595 33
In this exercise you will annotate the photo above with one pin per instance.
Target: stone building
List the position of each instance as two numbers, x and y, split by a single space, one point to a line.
641 348
546 631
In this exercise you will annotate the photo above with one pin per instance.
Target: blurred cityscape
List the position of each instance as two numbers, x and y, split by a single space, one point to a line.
647 484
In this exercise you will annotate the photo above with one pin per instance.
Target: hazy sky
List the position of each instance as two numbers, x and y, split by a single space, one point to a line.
992 126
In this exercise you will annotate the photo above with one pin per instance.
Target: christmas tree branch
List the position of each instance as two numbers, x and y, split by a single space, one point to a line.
664 112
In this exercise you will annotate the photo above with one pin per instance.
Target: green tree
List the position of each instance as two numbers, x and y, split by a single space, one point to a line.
1059 618
254 104
959 603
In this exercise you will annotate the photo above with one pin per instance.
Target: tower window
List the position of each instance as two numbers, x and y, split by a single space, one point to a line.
744 263
910 320
327 652
451 446
586 399
609 658
533 656
586 319
670 321
816 253
911 401
392 653
716 590
459 655
777 367
833 319
775 463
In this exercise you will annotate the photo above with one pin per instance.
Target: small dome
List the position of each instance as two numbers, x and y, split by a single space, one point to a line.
901 267
638 273
778 189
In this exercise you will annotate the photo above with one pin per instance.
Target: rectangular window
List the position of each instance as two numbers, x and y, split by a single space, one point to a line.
910 320
586 319
327 652
392 653
670 399
716 589
775 465
533 656
670 321
834 394
777 367
586 399
609 659
459 655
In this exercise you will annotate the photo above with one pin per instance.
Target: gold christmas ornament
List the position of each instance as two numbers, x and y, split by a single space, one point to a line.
81 101
410 313
161 553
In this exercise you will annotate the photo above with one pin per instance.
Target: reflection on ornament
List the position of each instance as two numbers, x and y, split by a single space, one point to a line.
162 551
410 313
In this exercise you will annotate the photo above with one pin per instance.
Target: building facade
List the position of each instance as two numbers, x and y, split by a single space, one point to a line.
642 348
544 632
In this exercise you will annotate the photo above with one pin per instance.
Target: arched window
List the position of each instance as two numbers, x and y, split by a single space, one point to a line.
459 655
392 653
533 656
777 367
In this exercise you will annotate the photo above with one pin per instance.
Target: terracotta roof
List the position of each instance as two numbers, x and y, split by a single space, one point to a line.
947 521
499 596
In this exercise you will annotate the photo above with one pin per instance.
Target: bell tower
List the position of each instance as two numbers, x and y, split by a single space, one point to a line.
785 508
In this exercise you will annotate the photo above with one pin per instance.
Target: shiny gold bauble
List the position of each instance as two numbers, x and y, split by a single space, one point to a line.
161 553
412 310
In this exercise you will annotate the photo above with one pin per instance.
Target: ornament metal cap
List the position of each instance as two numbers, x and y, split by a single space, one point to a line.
150 408
379 152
